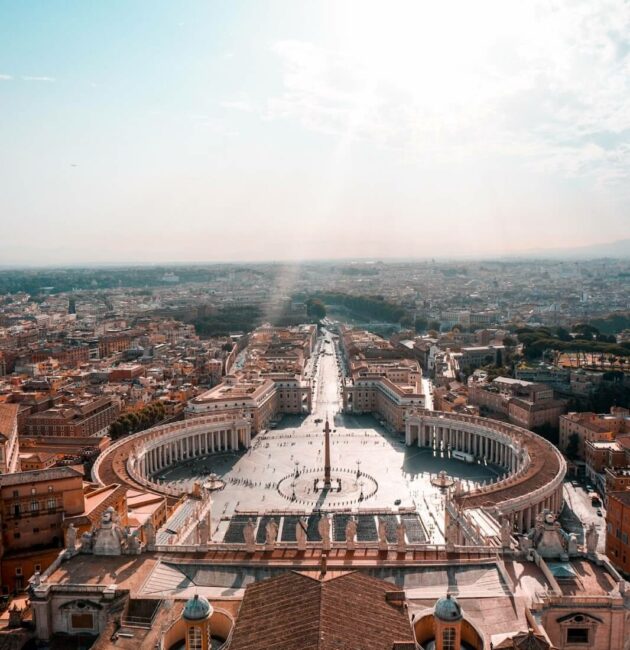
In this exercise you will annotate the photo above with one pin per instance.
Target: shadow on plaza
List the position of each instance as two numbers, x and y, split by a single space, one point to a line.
422 460
219 463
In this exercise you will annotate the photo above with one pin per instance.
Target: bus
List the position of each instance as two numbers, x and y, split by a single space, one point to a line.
462 455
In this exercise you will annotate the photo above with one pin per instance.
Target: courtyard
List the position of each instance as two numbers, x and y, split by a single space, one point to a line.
372 468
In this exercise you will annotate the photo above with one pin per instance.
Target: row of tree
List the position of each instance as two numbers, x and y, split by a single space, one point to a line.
588 341
139 421
374 307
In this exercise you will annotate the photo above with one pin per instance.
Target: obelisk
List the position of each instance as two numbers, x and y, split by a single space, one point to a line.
327 482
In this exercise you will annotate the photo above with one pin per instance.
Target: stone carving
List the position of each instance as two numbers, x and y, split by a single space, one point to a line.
506 533
572 545
109 537
452 534
249 535
271 533
36 580
548 538
592 539
133 543
401 544
202 532
71 538
87 540
323 527
351 533
382 535
300 533
149 533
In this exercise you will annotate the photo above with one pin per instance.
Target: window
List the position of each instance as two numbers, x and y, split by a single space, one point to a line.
16 535
16 494
52 503
448 638
82 621
50 488
577 635
34 506
194 638
18 570
38 567
33 490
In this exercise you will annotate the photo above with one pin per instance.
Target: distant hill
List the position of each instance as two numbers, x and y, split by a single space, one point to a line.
616 249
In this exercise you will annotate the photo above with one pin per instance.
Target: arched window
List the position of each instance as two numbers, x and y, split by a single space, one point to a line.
448 638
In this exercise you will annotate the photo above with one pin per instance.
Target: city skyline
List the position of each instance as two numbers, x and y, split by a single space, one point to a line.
288 131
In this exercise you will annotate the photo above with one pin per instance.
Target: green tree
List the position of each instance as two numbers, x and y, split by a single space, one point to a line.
315 308
573 446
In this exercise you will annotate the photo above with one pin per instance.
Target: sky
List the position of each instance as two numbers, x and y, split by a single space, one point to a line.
159 131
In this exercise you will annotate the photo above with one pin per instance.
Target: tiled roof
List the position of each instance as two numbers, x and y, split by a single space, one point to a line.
298 611
8 417
20 478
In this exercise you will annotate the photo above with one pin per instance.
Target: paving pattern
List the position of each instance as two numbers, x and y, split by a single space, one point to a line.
402 474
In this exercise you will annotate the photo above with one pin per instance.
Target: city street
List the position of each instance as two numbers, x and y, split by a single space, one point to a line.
578 513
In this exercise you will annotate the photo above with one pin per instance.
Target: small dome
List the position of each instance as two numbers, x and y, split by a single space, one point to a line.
448 609
197 609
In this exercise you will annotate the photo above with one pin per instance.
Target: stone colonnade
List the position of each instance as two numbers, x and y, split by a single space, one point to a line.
148 452
500 444
171 449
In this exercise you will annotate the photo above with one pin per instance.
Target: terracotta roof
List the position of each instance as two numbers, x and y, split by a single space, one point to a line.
544 467
8 418
525 641
295 610
95 507
622 496
32 476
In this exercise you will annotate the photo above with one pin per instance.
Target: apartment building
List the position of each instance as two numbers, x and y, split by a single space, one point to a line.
77 418
593 427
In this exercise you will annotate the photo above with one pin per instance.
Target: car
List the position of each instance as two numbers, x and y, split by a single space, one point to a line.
599 513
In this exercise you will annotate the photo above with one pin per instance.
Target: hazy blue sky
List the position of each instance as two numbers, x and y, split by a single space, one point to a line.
153 131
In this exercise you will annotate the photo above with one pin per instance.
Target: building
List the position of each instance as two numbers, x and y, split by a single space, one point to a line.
527 404
618 529
387 388
9 444
33 506
544 592
30 460
592 427
379 380
79 418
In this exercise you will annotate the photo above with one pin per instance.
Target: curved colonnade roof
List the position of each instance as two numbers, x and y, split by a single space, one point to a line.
545 465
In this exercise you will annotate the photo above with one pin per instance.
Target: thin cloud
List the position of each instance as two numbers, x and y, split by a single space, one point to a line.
5 77
30 78
239 105
552 95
